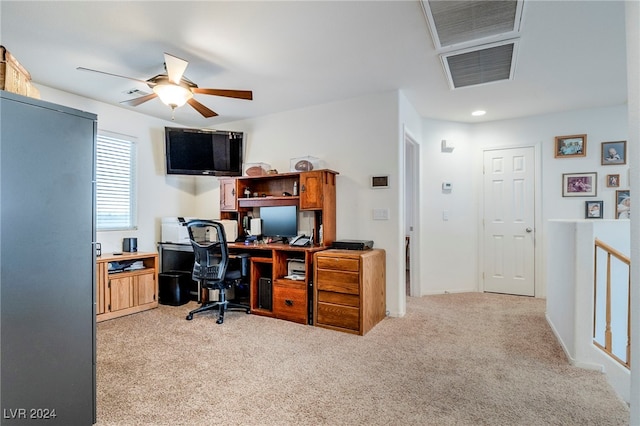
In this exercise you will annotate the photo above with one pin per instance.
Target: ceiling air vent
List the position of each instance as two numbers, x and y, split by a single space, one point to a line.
458 22
135 92
480 65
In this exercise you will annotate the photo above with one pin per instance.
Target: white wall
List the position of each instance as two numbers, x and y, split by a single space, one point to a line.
357 138
570 301
600 125
158 195
363 137
449 249
632 12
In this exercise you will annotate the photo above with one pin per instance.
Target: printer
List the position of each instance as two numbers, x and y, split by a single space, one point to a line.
174 230
296 267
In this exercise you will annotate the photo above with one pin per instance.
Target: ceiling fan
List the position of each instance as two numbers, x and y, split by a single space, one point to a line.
174 90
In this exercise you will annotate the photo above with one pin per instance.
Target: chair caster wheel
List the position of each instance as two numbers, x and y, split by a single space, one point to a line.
219 321
189 317
248 311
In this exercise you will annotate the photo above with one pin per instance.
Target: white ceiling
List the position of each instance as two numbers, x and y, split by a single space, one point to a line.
294 54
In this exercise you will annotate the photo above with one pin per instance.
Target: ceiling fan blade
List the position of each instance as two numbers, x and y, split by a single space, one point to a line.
115 75
239 94
175 67
140 100
206 112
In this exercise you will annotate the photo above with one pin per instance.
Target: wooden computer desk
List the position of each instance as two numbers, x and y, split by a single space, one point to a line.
271 294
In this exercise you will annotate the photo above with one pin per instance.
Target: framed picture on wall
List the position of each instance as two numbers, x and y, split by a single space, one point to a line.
614 153
579 184
613 181
571 146
593 209
623 203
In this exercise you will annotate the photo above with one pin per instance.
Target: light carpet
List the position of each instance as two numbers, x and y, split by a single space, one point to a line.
454 359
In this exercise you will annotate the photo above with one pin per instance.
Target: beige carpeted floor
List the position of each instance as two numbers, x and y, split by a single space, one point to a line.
454 359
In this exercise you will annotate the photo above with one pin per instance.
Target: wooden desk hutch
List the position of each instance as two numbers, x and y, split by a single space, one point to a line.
290 299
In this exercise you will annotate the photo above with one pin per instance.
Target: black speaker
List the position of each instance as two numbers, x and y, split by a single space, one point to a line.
130 244
264 293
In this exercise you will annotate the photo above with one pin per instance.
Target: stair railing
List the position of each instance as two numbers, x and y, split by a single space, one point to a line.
616 282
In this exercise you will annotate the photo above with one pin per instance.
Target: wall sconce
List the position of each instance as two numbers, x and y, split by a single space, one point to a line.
444 147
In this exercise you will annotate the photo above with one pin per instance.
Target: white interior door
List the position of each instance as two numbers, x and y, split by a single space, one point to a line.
509 218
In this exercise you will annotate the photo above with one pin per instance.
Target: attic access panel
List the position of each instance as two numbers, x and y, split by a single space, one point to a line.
454 22
481 65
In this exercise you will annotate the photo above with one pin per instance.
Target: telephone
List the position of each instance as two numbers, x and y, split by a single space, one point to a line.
301 241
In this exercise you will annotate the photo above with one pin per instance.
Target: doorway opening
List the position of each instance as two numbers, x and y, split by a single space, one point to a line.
411 209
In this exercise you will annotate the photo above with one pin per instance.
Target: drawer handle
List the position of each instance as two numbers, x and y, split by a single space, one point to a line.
288 302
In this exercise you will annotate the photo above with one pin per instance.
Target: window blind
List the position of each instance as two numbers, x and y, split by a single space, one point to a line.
115 183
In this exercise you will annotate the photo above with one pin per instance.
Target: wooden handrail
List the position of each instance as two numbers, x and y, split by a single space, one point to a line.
608 336
613 251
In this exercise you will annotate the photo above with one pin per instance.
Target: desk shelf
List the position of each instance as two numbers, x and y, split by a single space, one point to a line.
268 201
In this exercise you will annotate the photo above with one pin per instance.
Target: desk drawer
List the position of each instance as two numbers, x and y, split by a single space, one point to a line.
341 264
338 316
338 281
290 302
339 298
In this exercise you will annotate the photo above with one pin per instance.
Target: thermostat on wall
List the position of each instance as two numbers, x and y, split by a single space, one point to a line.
380 181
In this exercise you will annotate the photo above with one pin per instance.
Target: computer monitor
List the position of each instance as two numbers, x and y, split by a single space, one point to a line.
279 221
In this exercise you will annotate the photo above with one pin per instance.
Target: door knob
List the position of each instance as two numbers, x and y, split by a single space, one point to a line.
528 229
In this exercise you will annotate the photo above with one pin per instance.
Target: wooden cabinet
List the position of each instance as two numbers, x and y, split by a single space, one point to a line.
228 194
311 190
350 289
126 292
318 192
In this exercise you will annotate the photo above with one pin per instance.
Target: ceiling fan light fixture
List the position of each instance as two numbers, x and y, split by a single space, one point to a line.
172 94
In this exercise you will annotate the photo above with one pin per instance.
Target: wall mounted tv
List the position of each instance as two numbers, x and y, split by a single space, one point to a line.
203 152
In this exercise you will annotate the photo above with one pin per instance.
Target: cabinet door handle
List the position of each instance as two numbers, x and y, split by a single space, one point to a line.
303 188
233 191
288 302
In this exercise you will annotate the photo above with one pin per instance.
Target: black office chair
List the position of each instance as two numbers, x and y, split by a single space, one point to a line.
210 267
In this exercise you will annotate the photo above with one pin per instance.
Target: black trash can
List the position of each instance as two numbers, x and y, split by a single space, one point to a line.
174 287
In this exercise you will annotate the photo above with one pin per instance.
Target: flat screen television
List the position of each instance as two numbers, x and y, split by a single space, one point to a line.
203 152
279 221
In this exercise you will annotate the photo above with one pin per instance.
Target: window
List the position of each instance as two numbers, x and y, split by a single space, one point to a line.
115 182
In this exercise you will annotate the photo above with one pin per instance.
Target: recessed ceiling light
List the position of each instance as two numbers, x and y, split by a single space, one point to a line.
478 113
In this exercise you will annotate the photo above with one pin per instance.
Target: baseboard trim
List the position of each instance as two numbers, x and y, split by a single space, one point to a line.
573 361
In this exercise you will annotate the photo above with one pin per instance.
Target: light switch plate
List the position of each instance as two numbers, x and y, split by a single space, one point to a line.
380 214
